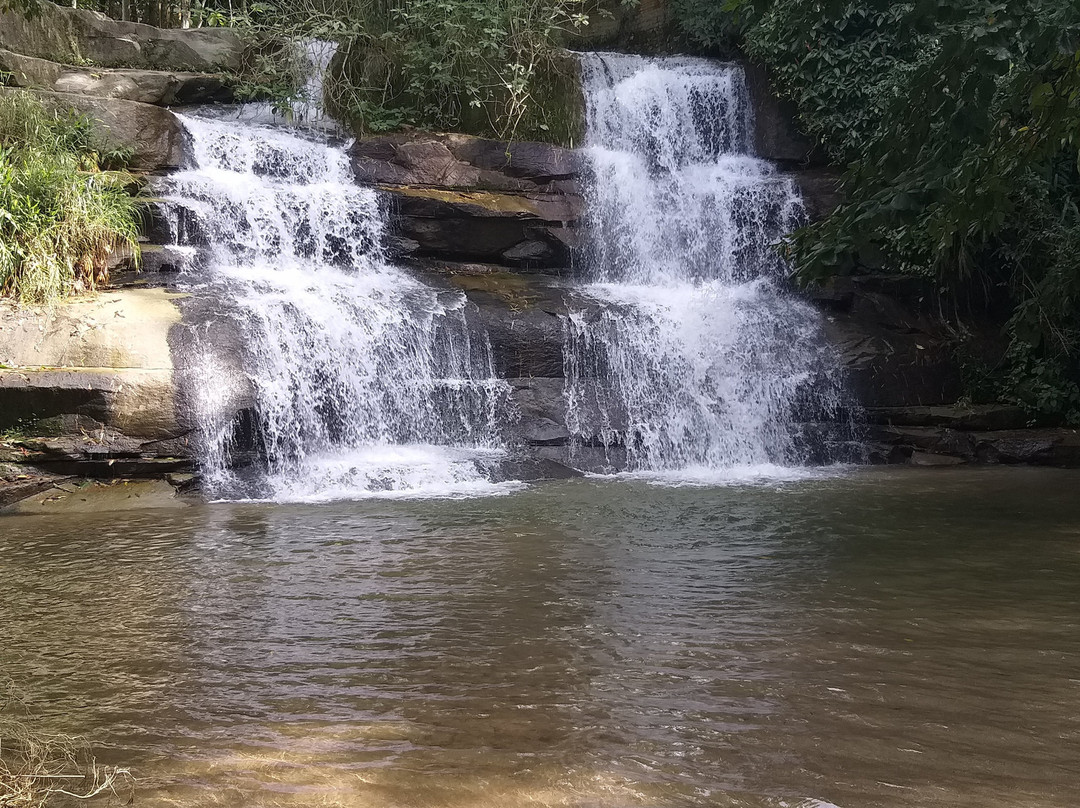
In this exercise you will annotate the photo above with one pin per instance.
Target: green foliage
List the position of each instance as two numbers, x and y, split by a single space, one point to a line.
274 71
482 66
958 122
62 214
707 24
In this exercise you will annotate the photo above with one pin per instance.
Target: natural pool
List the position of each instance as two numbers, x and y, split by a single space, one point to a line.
877 638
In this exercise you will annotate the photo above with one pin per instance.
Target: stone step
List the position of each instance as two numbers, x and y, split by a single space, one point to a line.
81 36
158 87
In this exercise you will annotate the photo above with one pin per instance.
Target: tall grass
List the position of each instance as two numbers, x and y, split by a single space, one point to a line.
64 211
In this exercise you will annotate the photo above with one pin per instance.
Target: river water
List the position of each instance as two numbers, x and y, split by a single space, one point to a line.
875 638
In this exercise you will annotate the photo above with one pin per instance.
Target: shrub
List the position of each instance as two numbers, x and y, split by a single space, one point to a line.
64 212
489 67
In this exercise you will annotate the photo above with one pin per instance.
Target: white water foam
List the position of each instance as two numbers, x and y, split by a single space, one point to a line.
366 381
694 357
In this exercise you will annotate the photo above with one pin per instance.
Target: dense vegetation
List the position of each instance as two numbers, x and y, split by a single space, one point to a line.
490 67
958 122
63 213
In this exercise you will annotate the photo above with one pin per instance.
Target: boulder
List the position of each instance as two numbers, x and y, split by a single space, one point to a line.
776 134
152 133
162 88
81 36
99 365
463 162
518 230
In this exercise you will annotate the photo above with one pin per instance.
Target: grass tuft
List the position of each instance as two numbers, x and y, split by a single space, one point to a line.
64 207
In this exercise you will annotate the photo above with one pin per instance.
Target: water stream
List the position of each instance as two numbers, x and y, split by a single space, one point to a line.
692 358
697 360
365 380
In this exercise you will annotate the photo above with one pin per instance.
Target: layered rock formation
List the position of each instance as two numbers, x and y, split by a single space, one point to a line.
86 386
95 386
120 75
81 37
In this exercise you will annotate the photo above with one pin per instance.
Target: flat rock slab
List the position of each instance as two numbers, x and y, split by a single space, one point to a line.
77 36
1058 447
983 417
85 496
464 162
105 358
161 88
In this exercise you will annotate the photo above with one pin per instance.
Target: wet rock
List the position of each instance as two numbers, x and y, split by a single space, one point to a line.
521 317
971 418
934 460
776 134
542 408
152 133
916 445
161 88
1039 447
437 204
78 36
520 230
588 459
455 161
821 191
527 470
86 496
894 355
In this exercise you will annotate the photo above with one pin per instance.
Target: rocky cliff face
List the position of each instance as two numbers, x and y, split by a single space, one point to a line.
120 75
95 386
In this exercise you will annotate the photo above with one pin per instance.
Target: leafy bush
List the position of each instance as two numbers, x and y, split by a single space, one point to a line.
484 66
62 213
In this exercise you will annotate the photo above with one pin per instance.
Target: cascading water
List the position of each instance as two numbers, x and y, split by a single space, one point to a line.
365 380
694 358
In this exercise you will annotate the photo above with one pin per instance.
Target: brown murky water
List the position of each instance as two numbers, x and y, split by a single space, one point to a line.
879 639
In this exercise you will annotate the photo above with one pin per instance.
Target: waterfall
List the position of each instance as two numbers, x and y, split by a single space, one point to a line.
692 356
364 380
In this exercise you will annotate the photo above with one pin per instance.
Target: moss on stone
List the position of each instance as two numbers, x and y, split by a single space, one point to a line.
514 290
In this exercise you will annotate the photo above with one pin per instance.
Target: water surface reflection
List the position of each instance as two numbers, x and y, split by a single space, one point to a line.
881 639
